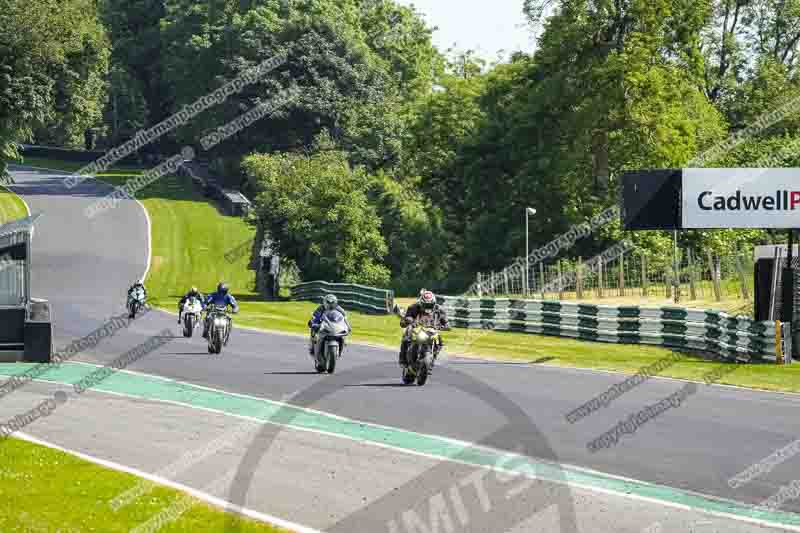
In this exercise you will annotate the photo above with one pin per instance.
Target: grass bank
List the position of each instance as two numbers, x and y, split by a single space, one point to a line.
42 489
11 206
191 236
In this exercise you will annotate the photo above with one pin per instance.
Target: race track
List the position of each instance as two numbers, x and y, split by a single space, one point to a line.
83 267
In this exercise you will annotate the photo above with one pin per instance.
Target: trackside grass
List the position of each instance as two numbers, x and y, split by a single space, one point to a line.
190 238
11 206
42 489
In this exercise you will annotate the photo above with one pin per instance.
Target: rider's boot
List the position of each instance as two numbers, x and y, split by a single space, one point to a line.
205 329
403 351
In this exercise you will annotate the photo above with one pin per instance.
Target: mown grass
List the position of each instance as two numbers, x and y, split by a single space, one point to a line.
42 489
11 206
191 236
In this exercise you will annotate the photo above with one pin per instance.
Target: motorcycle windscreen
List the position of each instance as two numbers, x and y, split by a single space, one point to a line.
334 316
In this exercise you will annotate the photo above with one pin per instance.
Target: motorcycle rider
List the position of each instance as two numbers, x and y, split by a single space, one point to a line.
138 284
426 302
329 303
221 297
193 293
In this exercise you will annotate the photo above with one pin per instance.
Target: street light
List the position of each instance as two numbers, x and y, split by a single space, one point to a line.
528 211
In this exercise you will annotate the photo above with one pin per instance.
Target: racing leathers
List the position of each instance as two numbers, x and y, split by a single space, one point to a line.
413 312
316 320
217 299
186 298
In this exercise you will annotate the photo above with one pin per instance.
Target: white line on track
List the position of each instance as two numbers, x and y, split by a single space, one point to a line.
208 498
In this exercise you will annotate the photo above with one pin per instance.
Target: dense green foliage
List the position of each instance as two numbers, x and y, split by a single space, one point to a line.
317 210
53 61
423 162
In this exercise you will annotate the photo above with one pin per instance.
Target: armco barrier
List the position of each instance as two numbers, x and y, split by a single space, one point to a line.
733 337
357 297
73 155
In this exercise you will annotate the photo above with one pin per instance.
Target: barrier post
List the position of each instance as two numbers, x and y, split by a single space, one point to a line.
644 274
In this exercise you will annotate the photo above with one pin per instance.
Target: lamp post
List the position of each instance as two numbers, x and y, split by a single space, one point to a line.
528 211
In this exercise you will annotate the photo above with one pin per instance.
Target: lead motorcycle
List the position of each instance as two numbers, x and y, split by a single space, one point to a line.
219 329
329 341
192 312
426 343
136 301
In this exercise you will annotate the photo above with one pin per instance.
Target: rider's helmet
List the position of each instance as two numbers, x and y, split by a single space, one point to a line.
193 291
330 302
426 300
222 288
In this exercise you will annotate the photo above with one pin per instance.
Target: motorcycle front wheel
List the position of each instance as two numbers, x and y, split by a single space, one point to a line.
216 341
423 366
188 325
332 355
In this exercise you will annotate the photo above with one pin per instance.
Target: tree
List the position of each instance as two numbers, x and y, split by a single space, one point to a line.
353 81
316 209
138 49
53 58
418 247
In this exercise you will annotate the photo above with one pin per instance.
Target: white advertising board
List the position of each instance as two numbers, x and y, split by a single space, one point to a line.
740 198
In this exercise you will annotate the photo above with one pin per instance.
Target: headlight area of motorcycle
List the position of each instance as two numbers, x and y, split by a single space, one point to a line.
422 336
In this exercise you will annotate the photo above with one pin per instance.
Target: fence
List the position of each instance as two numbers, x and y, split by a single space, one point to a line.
701 276
358 297
738 338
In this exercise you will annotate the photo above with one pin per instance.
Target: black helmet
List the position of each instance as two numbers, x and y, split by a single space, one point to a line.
222 288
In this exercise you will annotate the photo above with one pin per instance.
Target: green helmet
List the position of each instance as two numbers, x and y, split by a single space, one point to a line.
330 302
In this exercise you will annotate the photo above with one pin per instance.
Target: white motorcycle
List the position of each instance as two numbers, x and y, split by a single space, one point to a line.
136 301
192 312
329 341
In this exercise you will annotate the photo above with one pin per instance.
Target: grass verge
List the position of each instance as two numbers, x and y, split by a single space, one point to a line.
191 236
42 489
11 206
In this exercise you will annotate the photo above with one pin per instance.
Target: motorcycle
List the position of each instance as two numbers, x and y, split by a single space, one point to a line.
219 329
423 351
136 301
192 310
329 341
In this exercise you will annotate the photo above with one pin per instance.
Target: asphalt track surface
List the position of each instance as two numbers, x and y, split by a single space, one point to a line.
83 267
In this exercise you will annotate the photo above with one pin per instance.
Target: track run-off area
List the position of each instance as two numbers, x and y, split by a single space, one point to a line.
484 446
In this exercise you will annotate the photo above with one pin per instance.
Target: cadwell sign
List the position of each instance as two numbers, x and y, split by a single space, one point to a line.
740 198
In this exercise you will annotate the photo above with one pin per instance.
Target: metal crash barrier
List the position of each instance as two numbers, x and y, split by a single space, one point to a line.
350 296
731 337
